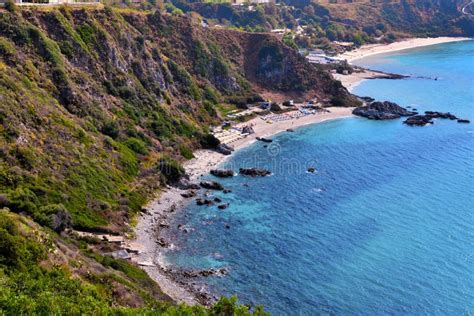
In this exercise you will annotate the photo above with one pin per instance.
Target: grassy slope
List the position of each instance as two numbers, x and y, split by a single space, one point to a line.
93 101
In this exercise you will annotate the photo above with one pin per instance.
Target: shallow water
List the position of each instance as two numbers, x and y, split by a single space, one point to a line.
385 226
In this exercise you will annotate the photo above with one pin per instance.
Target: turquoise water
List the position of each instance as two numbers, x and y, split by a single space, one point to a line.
386 225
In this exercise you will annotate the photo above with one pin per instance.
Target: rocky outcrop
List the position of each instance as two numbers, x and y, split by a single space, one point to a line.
222 173
211 185
427 118
254 172
382 111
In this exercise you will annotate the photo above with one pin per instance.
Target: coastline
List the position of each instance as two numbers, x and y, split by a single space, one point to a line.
147 247
354 79
375 49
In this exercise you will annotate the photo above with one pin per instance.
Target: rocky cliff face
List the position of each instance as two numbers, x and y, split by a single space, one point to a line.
93 103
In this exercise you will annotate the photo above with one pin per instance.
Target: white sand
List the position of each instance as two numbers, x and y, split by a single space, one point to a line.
150 253
373 49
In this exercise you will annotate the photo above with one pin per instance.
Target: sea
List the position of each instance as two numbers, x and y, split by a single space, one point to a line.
385 224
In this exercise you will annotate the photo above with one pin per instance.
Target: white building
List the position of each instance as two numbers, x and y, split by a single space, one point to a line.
52 2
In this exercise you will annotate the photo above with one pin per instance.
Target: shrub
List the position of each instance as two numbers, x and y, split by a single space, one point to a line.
10 6
170 168
209 141
110 129
136 145
186 152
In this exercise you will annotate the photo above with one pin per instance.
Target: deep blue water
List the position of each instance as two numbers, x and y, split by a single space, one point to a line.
386 226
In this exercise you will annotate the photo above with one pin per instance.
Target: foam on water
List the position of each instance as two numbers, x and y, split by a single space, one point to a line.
386 225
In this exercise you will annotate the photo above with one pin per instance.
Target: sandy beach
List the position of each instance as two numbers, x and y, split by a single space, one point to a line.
373 49
352 80
147 243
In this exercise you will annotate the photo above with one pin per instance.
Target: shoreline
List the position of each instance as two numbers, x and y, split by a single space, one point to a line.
147 246
376 49
354 79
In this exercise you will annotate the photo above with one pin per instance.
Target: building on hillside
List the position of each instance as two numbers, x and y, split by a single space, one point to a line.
52 2
242 2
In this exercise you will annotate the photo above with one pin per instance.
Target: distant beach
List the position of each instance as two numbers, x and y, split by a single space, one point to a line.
374 49
352 80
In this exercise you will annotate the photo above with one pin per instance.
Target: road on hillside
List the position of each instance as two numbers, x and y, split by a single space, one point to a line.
463 10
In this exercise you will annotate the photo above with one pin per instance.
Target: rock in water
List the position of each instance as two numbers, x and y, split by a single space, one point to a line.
211 185
464 121
254 172
223 206
382 111
222 173
418 120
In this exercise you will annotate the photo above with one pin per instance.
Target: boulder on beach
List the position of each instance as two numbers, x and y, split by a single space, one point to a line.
211 185
186 184
382 111
189 194
222 173
265 140
254 172
224 149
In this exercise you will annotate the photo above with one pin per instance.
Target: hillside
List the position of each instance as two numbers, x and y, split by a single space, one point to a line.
98 108
312 24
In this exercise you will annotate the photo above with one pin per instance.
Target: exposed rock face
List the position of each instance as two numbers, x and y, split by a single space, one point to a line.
254 172
211 185
222 173
382 111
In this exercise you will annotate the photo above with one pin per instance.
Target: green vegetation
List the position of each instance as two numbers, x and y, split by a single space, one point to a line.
322 22
32 281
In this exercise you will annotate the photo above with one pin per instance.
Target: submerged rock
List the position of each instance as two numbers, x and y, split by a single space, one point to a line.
222 173
382 111
223 206
254 172
201 202
211 185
